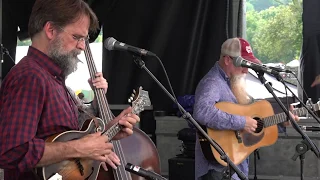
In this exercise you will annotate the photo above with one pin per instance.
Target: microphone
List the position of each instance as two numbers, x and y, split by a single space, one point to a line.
149 175
112 44
240 62
278 69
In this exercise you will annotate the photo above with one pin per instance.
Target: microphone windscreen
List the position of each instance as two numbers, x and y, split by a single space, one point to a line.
237 61
109 43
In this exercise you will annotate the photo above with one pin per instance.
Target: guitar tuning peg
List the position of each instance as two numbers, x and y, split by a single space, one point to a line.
134 91
132 95
129 100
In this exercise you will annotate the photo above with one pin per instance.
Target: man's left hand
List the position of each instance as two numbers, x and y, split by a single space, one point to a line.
295 117
99 82
127 119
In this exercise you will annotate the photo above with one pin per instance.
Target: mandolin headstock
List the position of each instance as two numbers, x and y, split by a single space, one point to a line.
139 99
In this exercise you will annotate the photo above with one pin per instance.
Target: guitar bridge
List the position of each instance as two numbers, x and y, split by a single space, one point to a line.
237 133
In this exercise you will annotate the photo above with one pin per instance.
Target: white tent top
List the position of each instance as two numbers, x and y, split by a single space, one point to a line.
258 91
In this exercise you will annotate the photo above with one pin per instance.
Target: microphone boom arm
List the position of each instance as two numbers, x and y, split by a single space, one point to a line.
187 116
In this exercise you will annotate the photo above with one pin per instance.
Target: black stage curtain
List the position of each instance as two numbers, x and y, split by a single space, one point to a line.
14 13
310 56
185 35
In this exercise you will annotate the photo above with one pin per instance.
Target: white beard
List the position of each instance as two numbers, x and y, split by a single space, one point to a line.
238 87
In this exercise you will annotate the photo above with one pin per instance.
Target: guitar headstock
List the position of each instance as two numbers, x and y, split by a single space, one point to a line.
139 99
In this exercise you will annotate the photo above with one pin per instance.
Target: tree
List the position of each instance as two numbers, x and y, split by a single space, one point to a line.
26 42
260 5
276 33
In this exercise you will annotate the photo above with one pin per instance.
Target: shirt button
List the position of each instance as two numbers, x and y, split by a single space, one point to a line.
55 77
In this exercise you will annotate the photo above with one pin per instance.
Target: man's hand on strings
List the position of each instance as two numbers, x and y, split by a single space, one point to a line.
99 82
296 118
113 161
127 119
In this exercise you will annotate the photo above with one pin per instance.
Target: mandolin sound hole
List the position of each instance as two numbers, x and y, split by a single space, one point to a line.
260 125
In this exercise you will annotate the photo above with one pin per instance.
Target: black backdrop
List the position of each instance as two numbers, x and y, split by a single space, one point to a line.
310 56
186 35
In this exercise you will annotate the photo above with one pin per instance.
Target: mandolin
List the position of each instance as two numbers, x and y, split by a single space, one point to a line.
87 169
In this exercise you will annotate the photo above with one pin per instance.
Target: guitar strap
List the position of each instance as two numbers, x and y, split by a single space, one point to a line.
205 145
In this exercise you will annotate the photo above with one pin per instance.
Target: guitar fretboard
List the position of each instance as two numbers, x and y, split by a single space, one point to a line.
282 117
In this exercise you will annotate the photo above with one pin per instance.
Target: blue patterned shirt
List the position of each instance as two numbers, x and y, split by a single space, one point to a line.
215 87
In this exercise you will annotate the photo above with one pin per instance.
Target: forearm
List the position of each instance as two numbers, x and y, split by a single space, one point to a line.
206 113
58 151
214 118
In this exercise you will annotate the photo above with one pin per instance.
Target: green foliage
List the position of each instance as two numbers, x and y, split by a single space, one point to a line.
276 33
260 5
249 7
99 38
26 42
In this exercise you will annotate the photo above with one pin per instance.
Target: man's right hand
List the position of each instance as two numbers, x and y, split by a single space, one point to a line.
251 125
94 146
316 81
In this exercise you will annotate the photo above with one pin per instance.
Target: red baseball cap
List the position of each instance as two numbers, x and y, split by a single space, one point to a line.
239 47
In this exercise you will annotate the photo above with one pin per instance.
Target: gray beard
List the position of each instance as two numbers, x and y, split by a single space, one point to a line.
67 61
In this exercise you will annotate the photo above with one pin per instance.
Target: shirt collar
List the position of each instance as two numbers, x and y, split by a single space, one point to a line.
45 62
222 73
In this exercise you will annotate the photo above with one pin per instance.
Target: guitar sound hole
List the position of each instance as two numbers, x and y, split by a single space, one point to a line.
260 125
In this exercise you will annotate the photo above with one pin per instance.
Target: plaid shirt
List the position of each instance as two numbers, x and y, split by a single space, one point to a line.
34 105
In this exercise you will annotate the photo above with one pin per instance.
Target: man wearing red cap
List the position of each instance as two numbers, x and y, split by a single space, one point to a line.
224 82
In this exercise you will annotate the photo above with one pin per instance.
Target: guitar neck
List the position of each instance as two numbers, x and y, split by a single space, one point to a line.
282 117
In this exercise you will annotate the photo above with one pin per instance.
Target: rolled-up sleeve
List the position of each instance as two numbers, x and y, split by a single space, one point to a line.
206 96
22 99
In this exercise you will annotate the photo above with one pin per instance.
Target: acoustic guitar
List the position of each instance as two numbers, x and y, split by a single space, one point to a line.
238 145
87 169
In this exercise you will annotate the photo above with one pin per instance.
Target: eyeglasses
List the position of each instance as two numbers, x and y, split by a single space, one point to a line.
75 37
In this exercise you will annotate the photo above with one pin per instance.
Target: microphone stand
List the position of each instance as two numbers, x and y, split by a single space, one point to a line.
187 116
306 143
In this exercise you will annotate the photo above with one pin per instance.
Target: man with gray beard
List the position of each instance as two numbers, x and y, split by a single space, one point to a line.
35 102
224 82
